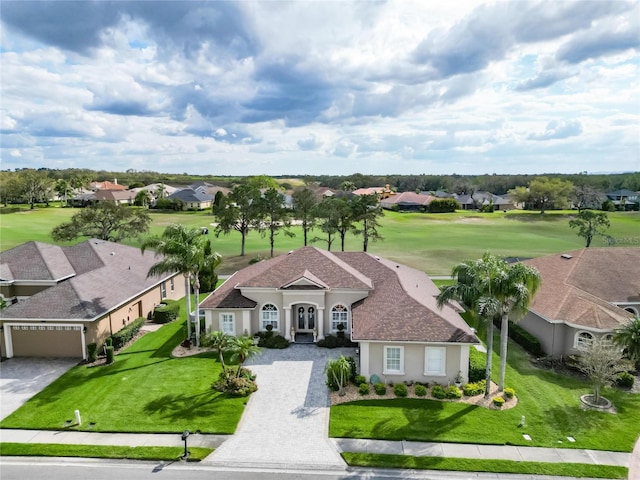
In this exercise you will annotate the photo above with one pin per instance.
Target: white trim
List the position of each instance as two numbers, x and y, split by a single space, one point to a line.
385 371
221 317
576 338
348 311
261 325
443 362
8 339
415 342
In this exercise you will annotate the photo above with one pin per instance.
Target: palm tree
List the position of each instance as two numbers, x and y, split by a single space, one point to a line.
514 288
628 337
243 349
474 287
220 342
183 251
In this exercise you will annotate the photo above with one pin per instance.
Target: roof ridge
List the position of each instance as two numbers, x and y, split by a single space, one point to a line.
354 272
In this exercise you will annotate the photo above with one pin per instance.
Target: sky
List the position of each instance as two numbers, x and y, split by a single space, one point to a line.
321 87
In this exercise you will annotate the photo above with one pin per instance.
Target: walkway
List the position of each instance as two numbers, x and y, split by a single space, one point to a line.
286 422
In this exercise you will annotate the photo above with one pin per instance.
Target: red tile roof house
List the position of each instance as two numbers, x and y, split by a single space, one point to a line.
389 309
585 294
63 298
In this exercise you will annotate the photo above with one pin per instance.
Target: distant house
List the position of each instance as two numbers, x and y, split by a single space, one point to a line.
63 298
624 199
407 202
478 200
585 294
106 185
119 197
192 199
389 309
155 188
381 192
210 188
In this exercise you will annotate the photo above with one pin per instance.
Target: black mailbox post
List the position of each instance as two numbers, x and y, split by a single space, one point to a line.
185 435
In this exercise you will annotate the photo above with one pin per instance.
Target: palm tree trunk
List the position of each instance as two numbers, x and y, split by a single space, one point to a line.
504 338
187 289
487 388
196 291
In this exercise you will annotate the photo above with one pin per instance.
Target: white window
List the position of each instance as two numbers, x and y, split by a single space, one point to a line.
339 316
173 287
163 290
227 323
583 341
269 316
435 360
393 361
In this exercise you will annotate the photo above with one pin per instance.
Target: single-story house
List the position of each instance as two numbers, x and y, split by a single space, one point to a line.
107 185
478 200
585 294
193 199
407 202
381 192
389 309
119 197
62 298
624 199
156 189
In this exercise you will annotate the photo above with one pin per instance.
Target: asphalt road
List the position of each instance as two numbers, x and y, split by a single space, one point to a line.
13 468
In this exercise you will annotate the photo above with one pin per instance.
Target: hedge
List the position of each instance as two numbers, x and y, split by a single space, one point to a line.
119 339
443 205
477 365
523 338
166 313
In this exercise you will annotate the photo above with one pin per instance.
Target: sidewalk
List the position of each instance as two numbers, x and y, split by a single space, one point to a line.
419 449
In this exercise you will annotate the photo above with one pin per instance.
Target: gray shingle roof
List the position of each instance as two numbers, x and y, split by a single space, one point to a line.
35 261
190 195
105 275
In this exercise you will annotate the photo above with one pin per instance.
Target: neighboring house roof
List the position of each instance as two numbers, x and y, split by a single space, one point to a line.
101 276
399 302
114 195
153 188
618 194
409 198
107 185
190 195
210 188
582 286
482 198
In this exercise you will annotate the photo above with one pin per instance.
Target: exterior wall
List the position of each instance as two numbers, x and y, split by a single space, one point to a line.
457 359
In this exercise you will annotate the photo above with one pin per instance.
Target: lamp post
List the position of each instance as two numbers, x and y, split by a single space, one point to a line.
185 435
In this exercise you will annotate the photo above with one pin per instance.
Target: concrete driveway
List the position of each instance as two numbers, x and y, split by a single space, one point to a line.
286 422
22 378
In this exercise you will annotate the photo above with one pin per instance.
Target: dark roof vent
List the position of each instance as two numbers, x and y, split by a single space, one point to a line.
566 256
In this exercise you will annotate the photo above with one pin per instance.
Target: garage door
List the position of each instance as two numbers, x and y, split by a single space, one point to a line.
46 341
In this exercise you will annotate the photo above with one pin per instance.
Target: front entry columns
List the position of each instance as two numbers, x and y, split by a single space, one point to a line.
320 323
287 323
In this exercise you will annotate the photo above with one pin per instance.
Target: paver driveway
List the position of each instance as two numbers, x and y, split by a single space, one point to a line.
286 422
22 378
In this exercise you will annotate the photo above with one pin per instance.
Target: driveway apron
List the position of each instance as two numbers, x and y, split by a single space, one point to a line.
286 422
22 378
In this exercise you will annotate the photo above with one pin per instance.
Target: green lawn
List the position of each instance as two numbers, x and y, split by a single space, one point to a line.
196 454
550 403
145 390
573 470
430 242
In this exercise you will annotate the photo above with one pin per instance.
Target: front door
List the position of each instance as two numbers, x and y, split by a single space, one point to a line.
306 318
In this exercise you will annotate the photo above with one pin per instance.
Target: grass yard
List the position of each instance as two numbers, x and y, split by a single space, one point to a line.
145 390
430 242
549 401
573 470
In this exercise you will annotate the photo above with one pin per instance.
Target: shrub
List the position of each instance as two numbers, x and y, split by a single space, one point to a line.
453 392
625 380
477 365
92 352
110 355
443 205
237 386
359 379
256 259
340 330
363 389
108 342
438 392
509 393
498 401
331 341
273 341
473 389
400 390
380 388
166 313
420 390
353 368
127 333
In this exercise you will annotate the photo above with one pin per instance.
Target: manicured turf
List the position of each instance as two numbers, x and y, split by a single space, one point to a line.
430 242
549 402
196 454
574 470
145 390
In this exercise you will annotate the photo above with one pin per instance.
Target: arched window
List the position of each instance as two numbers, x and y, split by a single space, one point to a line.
339 316
269 316
632 310
584 340
607 338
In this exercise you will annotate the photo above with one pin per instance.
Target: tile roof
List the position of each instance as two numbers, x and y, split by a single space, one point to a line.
581 286
409 197
114 195
95 264
399 306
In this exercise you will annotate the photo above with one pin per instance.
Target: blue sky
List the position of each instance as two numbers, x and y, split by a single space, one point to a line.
321 87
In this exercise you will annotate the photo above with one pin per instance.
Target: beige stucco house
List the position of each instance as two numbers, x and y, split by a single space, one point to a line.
62 298
585 294
389 309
